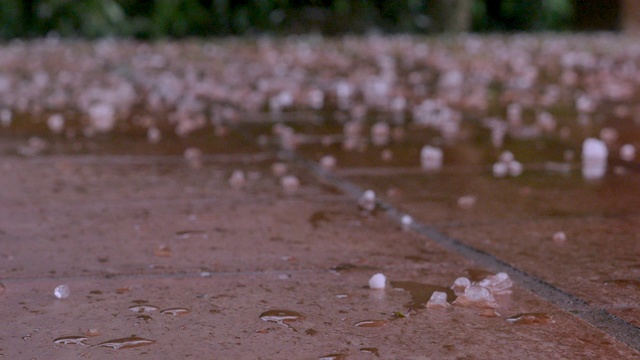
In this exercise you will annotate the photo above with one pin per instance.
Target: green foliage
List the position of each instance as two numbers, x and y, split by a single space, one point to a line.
180 18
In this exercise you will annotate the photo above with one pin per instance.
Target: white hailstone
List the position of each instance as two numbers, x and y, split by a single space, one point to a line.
290 184
386 155
467 201
460 285
102 117
506 157
316 99
153 135
515 168
55 123
377 281
438 300
367 200
237 179
279 169
559 237
431 158
476 296
328 162
6 116
500 169
193 156
499 283
406 221
514 114
380 132
609 135
62 291
627 152
594 158
546 122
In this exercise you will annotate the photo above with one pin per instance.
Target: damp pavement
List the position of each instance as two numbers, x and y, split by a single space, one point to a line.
192 247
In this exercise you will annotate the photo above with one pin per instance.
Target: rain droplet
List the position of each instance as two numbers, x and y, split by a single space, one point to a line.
282 317
531 318
175 311
71 340
371 323
132 341
62 291
143 308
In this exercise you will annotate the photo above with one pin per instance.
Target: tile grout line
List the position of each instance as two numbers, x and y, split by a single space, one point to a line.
597 317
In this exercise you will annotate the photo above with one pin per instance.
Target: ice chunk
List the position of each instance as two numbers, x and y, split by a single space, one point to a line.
290 184
467 201
559 237
594 158
431 158
62 291
515 168
377 281
55 123
406 221
460 285
328 162
500 169
438 300
627 152
237 179
380 133
506 157
367 200
499 283
476 296
102 117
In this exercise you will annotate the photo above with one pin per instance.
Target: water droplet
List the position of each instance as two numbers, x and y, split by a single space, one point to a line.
175 311
333 357
371 350
71 340
371 323
282 317
185 234
132 341
143 308
531 318
62 291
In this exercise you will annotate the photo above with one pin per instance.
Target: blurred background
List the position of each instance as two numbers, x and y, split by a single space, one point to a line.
151 19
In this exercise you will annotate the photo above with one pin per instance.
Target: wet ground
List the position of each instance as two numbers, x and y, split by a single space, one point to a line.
182 238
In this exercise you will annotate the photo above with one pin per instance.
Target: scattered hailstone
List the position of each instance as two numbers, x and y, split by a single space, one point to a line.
627 152
406 221
500 169
290 184
467 201
328 162
460 285
438 300
431 158
594 158
377 281
279 169
559 237
499 283
609 135
55 123
507 165
102 117
476 296
6 116
154 135
515 168
237 179
62 291
193 156
367 200
506 157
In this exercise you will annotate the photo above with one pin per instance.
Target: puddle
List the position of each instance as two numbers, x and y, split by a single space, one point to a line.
71 340
371 350
371 323
132 341
333 357
175 311
282 317
143 308
186 234
531 318
421 293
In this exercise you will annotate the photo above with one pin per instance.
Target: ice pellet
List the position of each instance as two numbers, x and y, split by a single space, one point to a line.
153 135
460 285
499 283
500 169
377 281
102 117
559 237
279 169
515 168
506 157
431 158
467 201
406 221
627 152
328 162
237 179
367 200
62 291
6 116
594 158
290 184
55 123
476 296
438 300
